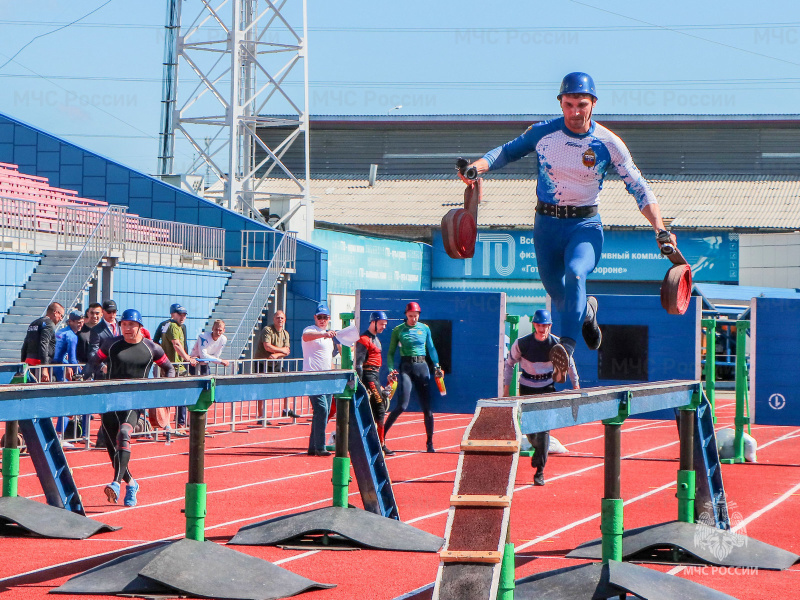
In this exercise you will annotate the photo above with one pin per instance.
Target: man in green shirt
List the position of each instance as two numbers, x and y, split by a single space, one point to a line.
173 341
415 341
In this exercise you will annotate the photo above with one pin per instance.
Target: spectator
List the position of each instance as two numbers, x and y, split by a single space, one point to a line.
173 341
273 344
208 348
67 346
40 341
107 328
318 356
162 327
93 315
66 353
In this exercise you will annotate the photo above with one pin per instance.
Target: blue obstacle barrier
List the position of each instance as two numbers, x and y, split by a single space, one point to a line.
774 355
468 330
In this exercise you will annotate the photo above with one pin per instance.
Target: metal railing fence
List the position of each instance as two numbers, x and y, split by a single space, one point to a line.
251 413
259 247
191 242
100 242
282 259
17 225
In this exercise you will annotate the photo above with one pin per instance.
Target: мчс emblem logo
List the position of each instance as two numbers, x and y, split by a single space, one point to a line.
589 158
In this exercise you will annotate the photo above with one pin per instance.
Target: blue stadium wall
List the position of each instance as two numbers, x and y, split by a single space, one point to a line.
152 289
93 176
15 270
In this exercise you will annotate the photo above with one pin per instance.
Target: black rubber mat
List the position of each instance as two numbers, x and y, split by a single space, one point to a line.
119 576
362 527
48 521
650 584
466 581
706 544
206 569
195 569
599 582
573 583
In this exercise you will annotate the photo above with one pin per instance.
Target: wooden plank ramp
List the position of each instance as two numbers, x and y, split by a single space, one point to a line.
478 520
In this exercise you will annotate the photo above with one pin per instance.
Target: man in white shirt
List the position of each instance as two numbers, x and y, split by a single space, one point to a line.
208 347
318 356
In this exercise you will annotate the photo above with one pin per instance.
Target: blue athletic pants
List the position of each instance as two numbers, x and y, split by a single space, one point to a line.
567 250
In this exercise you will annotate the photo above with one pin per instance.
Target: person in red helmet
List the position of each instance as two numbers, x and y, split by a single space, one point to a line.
415 341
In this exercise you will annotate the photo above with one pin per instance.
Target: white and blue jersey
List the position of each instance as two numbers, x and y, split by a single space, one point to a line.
571 167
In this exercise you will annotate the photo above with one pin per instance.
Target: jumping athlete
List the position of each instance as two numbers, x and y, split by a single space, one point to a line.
573 154
415 341
368 365
128 356
532 352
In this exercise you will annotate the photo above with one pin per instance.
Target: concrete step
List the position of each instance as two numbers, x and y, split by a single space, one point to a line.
43 294
31 303
19 319
244 273
40 279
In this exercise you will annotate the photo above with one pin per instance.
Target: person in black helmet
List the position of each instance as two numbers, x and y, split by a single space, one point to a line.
128 356
532 353
573 153
368 366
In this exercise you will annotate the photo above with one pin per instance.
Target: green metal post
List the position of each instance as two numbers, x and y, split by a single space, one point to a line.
505 590
686 473
711 363
513 334
341 462
11 460
742 327
11 449
195 507
611 515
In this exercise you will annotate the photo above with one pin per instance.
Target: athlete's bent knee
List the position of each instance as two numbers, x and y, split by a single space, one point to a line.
124 437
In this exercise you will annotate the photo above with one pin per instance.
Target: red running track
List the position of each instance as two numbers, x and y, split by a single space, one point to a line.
264 472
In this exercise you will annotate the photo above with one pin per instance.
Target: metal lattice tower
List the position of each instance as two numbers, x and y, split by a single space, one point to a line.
241 62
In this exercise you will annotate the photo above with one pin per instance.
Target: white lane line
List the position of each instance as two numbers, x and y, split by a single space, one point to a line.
752 518
590 518
251 461
183 438
786 436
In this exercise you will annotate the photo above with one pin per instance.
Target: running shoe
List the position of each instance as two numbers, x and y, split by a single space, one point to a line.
387 452
130 493
560 359
112 492
591 330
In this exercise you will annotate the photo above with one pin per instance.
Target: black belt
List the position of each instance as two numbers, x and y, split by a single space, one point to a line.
566 212
370 368
415 359
541 377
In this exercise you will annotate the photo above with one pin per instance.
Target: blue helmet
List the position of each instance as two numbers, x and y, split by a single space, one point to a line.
378 315
542 317
577 83
132 315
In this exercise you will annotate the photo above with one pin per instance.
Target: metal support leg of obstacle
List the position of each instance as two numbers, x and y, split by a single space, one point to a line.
742 410
513 335
341 461
686 473
710 370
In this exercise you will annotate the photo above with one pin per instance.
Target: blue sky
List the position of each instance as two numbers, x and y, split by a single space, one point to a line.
98 83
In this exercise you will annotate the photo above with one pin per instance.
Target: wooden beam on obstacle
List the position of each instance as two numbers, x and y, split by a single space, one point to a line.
480 507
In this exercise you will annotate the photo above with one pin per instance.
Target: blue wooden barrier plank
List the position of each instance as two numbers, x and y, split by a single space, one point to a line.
42 400
566 409
236 388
